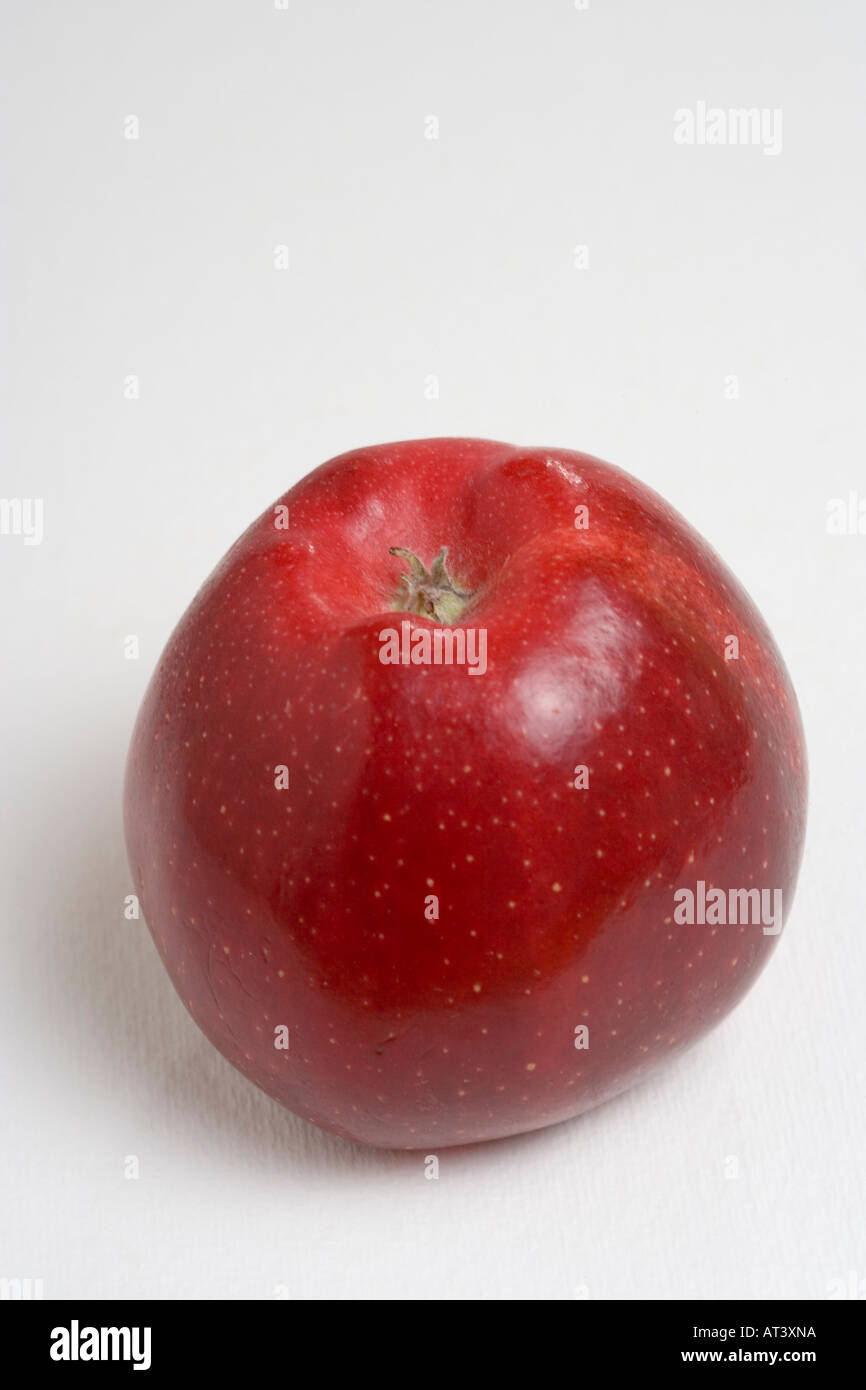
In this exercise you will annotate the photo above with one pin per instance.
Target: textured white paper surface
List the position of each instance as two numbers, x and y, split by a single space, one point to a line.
739 1171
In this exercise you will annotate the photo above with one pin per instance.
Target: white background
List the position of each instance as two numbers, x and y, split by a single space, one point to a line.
412 258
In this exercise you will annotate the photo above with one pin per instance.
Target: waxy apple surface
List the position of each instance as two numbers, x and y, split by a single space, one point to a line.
452 892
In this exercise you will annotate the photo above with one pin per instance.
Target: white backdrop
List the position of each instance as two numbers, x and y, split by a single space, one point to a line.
163 380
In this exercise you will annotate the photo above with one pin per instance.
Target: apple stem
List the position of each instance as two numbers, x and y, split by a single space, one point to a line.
431 592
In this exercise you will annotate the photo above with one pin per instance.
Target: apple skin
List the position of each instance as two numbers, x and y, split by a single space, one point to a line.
305 907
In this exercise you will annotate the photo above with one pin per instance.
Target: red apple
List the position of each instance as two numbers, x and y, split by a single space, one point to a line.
422 903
